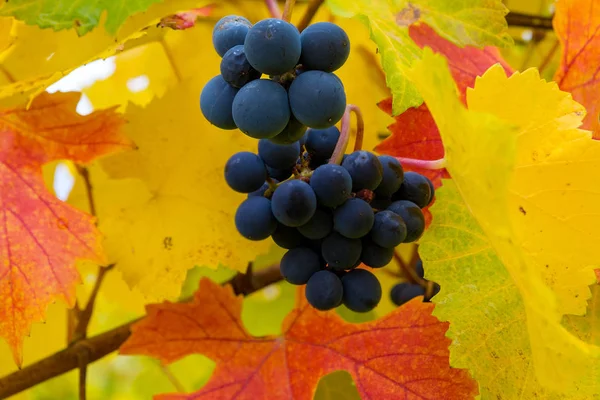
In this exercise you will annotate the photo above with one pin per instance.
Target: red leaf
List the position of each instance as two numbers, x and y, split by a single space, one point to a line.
577 25
414 134
40 236
403 353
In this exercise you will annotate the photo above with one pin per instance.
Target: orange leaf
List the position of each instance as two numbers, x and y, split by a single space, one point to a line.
40 236
577 25
402 354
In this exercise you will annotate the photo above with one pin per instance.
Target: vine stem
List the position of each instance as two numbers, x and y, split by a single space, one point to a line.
309 14
342 143
288 9
273 8
425 164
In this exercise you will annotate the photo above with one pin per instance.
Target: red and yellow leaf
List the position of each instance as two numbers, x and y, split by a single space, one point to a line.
40 236
402 354
577 25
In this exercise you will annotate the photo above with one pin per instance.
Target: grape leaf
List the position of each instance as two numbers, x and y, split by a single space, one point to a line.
407 352
516 164
414 134
40 237
577 25
83 15
470 22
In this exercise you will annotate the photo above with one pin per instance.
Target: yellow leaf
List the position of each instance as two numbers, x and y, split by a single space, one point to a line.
491 157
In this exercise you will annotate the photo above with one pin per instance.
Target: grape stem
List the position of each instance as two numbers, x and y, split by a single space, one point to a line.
342 144
309 14
288 9
273 8
425 164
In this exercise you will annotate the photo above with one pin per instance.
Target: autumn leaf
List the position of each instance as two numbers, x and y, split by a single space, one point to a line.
471 22
519 180
407 351
40 237
414 134
577 25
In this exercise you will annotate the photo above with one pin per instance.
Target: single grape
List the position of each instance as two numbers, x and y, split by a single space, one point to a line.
279 174
294 203
412 216
419 269
389 230
261 190
299 264
415 188
325 47
381 203
317 99
261 109
235 69
278 156
324 290
287 238
365 169
320 143
332 184
254 219
293 132
393 175
216 102
340 252
404 292
319 226
228 32
431 189
353 219
362 290
374 255
245 172
273 46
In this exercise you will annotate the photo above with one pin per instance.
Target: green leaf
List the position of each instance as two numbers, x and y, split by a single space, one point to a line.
469 22
83 15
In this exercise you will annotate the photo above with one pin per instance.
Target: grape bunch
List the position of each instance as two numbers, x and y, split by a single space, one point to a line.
301 90
330 217
403 292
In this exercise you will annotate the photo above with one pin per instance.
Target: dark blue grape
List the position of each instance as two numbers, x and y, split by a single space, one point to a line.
320 143
362 290
293 132
317 99
431 189
278 156
245 172
287 238
381 203
325 47
216 103
261 109
404 292
340 252
254 219
294 203
419 269
319 226
415 188
365 169
299 264
279 174
389 230
261 190
374 255
228 32
324 290
353 219
393 175
235 69
332 184
273 46
412 216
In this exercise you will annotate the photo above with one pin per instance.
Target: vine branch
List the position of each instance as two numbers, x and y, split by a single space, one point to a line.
96 347
529 21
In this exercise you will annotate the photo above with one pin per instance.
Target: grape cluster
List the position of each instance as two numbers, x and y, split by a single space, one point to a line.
301 90
330 217
403 292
